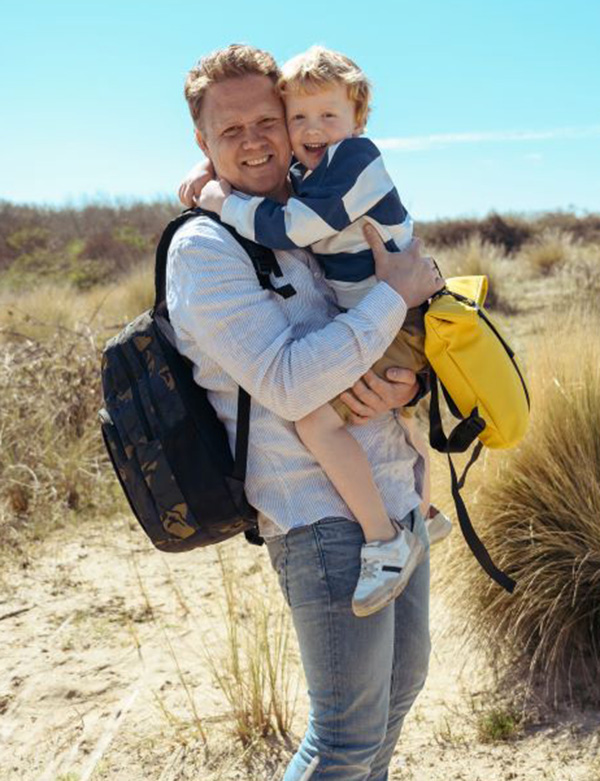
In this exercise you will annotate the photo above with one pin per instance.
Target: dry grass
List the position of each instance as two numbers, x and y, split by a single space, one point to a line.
581 274
257 671
476 257
52 463
550 251
538 512
42 312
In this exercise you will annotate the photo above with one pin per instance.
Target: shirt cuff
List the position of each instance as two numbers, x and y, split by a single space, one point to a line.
385 308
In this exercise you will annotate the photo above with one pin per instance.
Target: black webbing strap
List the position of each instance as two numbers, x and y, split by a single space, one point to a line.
478 548
241 435
462 435
265 263
460 439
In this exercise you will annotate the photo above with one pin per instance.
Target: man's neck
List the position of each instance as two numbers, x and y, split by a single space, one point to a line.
282 193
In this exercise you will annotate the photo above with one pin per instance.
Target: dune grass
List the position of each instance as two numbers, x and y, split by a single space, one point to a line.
54 308
53 465
538 511
551 250
476 257
257 667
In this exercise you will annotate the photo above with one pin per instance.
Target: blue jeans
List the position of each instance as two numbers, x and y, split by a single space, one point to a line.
363 674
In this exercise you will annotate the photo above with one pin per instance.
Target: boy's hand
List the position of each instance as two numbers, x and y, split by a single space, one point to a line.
213 195
413 276
372 396
192 185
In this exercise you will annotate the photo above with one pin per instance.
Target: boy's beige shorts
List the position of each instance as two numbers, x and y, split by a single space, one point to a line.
407 351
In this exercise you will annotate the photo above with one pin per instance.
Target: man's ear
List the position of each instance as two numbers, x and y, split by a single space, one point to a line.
201 142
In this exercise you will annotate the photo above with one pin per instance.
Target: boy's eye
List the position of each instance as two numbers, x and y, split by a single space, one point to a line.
298 116
329 114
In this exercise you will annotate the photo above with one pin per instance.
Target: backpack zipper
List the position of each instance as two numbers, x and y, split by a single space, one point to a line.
137 402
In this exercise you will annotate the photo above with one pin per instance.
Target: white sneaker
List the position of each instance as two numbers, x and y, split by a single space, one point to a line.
438 526
385 569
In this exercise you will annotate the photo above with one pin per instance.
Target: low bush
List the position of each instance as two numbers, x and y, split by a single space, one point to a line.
52 464
551 250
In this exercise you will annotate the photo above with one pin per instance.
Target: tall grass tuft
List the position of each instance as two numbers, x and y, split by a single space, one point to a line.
539 515
256 671
549 251
476 257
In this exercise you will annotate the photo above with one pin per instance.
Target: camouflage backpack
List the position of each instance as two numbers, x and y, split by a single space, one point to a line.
169 450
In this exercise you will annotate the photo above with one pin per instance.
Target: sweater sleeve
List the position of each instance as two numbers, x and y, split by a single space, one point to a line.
349 180
215 300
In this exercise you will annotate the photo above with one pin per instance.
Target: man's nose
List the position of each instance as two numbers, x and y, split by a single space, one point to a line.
252 137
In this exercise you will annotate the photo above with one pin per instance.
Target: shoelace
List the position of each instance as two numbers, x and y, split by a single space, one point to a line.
368 568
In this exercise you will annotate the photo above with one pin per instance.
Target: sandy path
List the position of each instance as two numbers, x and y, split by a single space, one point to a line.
93 674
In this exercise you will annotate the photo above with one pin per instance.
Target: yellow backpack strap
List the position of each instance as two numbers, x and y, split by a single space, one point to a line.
460 439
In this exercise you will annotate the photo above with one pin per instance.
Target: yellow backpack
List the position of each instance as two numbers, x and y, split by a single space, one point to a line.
483 385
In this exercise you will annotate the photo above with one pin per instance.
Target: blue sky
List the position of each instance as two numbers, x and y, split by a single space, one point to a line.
478 105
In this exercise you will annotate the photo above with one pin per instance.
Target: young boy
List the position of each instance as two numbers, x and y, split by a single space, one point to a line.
339 184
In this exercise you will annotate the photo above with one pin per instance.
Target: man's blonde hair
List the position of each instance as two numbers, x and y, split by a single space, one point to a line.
319 67
235 60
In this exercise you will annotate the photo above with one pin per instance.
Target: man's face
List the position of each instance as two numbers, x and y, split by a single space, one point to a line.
244 135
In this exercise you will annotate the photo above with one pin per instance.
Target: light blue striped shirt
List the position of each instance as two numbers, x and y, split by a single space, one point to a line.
292 355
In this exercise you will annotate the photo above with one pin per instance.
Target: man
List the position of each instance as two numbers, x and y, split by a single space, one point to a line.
292 355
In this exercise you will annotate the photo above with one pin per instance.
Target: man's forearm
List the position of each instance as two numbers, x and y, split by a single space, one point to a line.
216 303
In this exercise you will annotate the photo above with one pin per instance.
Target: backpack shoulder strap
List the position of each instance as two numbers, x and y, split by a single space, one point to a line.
263 259
265 263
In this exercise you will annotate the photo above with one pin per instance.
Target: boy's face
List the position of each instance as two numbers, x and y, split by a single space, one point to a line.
318 119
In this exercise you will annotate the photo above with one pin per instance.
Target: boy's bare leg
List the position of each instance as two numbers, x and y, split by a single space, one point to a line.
345 463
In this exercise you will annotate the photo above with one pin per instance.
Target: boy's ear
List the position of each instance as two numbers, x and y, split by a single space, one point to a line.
200 141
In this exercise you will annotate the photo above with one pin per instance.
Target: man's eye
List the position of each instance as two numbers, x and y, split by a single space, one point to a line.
268 121
231 131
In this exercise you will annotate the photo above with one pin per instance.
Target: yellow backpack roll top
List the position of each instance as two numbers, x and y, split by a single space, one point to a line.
475 363
483 385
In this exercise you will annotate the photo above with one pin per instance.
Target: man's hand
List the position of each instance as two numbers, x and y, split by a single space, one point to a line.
196 179
414 277
372 396
213 195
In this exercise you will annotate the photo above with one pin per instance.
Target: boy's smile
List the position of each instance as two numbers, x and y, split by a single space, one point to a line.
318 119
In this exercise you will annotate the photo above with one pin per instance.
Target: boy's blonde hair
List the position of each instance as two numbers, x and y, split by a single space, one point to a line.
235 60
319 67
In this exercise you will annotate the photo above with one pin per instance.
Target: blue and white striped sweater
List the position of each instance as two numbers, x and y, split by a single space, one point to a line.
327 211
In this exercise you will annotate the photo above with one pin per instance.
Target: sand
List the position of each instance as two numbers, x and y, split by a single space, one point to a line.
104 643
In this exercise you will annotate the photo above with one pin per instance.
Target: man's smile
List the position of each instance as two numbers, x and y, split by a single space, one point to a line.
257 161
